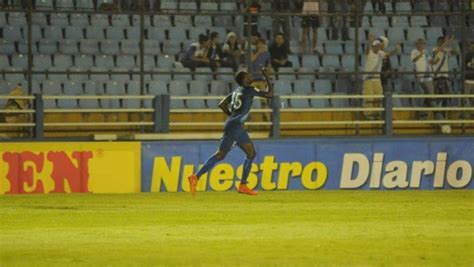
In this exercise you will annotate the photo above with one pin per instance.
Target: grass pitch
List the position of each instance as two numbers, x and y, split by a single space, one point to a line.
405 228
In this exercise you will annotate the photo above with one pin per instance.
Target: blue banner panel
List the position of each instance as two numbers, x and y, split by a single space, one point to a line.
314 164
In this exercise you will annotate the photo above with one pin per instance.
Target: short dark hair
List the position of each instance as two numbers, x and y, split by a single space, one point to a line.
279 34
239 77
214 35
440 38
203 38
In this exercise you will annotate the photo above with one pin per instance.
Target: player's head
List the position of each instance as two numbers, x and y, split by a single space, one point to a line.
377 45
440 40
243 78
279 39
420 44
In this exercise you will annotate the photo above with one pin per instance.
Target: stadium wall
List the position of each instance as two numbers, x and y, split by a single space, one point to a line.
316 164
281 164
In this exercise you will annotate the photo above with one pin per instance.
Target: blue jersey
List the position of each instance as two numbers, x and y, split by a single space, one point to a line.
241 103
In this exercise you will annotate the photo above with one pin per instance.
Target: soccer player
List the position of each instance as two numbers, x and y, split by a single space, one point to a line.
237 106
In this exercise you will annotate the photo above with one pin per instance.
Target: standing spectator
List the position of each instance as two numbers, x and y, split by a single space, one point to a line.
216 54
469 82
260 58
197 54
279 53
253 9
281 23
338 22
310 8
372 84
232 50
441 55
423 67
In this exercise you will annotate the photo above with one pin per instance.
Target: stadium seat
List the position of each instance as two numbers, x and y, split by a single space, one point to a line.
133 33
7 47
100 20
136 75
339 102
78 77
162 21
178 87
156 34
47 47
376 32
73 33
83 61
197 88
65 4
380 22
14 77
36 32
133 88
438 21
225 74
361 32
396 35
22 48
53 33
203 74
421 6
105 61
366 22
286 73
344 85
185 76
319 103
152 47
36 19
158 87
4 61
84 4
68 103
303 87
311 62
115 33
322 87
12 33
333 48
52 88
299 103
99 77
219 88
110 47
80 20
91 88
168 5
59 20
121 21
55 76
202 21
126 61
348 62
62 61
187 5
171 47
283 87
130 47
432 34
69 47
209 6
295 61
400 22
331 61
17 19
89 46
306 73
19 61
123 78
44 4
414 34
71 88
177 33
228 6
182 21
162 76
403 6
95 32
165 61
3 21
418 21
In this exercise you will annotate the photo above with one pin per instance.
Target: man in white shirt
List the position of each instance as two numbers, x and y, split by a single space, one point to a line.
372 84
424 73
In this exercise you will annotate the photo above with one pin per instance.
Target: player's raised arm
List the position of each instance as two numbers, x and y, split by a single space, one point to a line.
224 104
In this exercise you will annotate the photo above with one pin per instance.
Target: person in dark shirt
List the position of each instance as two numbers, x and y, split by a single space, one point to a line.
197 54
216 54
237 107
279 53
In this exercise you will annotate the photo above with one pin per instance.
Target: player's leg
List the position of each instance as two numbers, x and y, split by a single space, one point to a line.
224 147
247 146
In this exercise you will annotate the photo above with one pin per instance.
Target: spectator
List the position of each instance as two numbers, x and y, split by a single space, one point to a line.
216 54
253 9
387 70
338 23
281 22
279 53
424 73
310 8
469 81
260 58
441 54
372 84
232 50
197 54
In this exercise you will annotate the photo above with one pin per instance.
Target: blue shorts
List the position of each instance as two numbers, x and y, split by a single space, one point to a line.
233 133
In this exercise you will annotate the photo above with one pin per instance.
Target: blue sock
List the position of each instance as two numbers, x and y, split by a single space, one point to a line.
207 166
246 171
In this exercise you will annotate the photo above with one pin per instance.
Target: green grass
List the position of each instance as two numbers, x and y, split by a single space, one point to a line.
415 228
